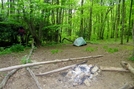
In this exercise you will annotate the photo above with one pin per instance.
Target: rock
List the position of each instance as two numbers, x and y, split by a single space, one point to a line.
94 69
82 74
87 82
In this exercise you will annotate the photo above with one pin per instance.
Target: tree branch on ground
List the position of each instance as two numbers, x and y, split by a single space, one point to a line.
4 81
29 70
47 62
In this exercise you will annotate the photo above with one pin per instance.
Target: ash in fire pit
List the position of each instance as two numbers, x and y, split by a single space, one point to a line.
82 74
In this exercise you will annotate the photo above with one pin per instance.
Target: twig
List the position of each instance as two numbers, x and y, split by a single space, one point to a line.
47 62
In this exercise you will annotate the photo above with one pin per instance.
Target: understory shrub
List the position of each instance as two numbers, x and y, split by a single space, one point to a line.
131 58
17 48
14 48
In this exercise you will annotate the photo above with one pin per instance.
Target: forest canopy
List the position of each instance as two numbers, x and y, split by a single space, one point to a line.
52 20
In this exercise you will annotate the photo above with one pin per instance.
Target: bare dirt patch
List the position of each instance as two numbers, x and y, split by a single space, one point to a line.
105 80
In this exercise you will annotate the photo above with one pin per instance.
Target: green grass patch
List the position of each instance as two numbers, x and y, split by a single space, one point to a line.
90 49
131 58
54 51
5 51
128 47
110 49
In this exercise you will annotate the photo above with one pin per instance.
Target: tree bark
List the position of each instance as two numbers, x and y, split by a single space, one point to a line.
133 40
90 20
81 20
129 26
123 20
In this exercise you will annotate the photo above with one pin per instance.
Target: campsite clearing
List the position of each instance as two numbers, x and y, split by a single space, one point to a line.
105 80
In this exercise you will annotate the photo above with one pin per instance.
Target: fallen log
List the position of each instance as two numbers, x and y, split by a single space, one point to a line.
56 70
71 66
4 81
113 69
127 66
47 62
29 70
34 77
126 86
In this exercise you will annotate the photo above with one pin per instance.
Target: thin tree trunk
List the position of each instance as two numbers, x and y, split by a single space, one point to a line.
90 21
2 5
81 20
117 21
70 18
133 40
129 27
123 21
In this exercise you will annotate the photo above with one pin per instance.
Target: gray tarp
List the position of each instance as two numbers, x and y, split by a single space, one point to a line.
79 42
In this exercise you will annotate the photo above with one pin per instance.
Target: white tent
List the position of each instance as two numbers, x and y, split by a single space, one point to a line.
79 42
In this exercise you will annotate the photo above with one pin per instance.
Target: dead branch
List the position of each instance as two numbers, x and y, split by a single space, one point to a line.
127 86
29 70
113 69
71 66
61 69
34 77
3 83
56 70
47 62
127 66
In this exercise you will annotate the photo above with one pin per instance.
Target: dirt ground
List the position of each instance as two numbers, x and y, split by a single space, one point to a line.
105 80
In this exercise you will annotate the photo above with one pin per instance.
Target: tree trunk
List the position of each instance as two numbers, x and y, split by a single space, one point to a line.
129 27
123 21
117 21
90 21
133 40
70 19
81 20
2 5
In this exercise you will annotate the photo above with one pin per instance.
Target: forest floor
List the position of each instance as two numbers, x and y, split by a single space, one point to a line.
105 80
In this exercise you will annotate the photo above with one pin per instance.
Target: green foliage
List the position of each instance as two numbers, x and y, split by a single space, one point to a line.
52 19
54 51
14 48
17 48
90 49
131 58
1 49
24 60
5 51
110 50
8 31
